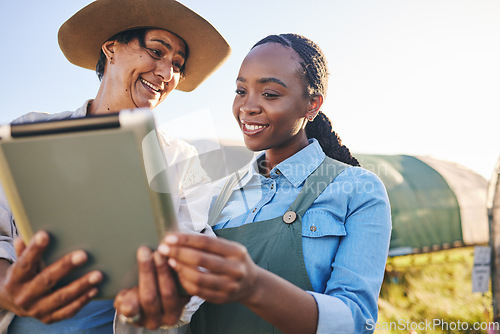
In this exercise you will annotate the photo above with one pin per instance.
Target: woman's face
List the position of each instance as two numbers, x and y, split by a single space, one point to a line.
270 104
138 77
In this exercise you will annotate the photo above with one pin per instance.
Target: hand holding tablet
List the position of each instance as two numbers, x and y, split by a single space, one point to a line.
86 181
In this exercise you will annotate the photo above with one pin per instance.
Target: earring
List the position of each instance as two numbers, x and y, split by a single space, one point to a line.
111 60
310 118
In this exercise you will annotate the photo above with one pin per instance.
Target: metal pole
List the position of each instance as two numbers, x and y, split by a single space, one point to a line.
494 225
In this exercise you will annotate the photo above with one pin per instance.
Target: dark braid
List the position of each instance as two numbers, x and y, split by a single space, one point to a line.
321 129
315 72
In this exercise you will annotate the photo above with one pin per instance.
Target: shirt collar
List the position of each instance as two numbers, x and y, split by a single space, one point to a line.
296 169
82 111
299 166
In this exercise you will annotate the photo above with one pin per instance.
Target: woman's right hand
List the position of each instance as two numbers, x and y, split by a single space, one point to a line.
27 290
156 301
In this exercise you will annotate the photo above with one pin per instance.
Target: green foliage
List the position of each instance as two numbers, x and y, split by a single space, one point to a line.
432 293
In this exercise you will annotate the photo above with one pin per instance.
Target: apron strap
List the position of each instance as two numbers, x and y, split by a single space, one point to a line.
315 184
223 197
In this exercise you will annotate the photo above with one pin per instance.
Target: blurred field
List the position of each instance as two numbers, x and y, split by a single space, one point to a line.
432 293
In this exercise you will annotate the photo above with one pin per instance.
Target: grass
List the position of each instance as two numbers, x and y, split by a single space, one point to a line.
432 293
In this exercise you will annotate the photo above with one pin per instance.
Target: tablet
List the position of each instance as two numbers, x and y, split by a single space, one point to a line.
86 181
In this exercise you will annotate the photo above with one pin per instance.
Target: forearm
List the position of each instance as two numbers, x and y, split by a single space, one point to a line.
284 305
4 299
229 275
4 265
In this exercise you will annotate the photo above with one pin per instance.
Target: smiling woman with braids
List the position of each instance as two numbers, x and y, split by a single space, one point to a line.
303 234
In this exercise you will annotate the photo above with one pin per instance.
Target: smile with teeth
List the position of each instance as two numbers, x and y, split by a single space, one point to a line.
150 85
251 129
254 127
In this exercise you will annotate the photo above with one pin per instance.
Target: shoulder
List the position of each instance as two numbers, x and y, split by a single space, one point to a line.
360 171
36 116
359 184
354 174
358 196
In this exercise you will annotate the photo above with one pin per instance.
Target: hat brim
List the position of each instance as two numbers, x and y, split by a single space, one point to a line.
82 35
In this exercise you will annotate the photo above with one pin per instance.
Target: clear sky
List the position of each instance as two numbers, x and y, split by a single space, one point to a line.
418 77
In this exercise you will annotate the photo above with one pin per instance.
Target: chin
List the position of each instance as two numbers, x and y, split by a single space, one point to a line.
253 146
145 103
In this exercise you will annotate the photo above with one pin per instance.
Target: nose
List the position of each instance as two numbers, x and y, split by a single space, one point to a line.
249 105
165 70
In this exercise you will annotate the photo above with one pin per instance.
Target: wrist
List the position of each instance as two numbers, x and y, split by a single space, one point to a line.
183 320
258 289
178 324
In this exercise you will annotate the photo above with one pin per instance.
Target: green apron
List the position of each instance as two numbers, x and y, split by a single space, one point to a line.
274 244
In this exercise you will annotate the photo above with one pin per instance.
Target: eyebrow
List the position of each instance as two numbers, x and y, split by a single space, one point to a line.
265 80
169 47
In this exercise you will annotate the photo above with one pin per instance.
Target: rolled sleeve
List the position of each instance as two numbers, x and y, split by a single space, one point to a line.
333 315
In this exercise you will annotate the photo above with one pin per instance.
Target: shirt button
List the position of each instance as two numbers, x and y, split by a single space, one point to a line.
313 228
289 217
278 171
272 186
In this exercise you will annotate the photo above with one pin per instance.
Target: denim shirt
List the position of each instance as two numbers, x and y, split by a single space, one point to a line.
345 233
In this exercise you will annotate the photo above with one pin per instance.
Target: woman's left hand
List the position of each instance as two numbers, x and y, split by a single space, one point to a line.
215 269
222 271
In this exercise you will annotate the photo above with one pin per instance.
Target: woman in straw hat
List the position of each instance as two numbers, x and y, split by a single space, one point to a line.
141 50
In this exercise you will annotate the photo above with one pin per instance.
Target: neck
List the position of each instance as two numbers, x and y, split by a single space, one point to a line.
276 155
101 105
109 100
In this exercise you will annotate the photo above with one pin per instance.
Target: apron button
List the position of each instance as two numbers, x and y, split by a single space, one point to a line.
289 217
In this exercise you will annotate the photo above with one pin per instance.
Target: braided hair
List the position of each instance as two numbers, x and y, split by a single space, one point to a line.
315 72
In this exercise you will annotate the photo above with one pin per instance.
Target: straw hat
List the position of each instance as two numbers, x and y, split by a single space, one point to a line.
82 36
